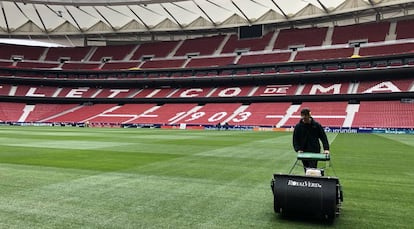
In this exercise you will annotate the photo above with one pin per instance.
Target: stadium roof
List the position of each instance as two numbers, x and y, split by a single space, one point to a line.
83 17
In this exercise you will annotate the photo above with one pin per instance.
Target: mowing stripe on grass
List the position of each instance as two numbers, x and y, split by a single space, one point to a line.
146 178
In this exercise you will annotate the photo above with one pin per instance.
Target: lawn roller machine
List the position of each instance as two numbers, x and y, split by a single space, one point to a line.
310 195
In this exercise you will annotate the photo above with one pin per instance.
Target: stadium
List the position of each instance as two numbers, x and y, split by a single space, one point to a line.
175 114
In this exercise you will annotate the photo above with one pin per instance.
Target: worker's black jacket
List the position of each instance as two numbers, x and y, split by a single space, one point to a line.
306 137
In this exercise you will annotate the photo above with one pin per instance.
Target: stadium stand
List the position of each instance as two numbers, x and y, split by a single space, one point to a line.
261 114
324 54
80 66
211 114
154 49
404 29
113 52
164 114
385 86
285 70
380 114
235 44
368 32
210 61
41 111
203 46
277 57
121 65
164 63
79 113
6 63
67 53
11 111
390 49
122 114
300 37
332 114
30 65
326 88
23 52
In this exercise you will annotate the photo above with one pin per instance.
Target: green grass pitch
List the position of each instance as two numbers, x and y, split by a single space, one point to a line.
63 177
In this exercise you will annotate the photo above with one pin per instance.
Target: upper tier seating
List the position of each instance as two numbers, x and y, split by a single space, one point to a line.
252 44
26 52
373 32
264 58
404 29
164 63
390 49
211 61
34 65
6 63
307 37
155 49
114 52
202 46
71 53
80 66
120 65
324 54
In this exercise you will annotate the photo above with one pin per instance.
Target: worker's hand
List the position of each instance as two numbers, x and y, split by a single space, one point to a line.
326 151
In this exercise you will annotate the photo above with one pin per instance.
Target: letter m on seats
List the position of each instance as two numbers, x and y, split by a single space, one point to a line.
333 89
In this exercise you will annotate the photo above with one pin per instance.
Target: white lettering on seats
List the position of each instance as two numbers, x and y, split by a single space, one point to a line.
386 86
336 88
275 90
229 92
77 92
32 92
192 92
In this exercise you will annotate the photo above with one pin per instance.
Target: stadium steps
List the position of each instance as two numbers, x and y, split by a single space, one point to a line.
391 33
131 54
272 41
351 110
328 38
289 112
221 46
172 53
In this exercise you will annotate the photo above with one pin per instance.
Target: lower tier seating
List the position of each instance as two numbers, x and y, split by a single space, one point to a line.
385 114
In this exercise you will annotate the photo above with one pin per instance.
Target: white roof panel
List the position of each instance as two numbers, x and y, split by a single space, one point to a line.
51 17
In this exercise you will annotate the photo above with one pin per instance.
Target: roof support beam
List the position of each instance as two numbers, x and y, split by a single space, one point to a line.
323 7
172 16
74 19
241 11
283 12
204 12
139 18
5 18
103 16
